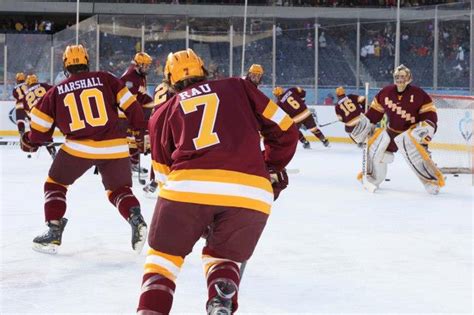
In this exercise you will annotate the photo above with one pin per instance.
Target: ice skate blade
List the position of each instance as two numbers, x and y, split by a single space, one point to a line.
50 249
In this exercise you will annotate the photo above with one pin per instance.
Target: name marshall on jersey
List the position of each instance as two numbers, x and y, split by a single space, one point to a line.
79 84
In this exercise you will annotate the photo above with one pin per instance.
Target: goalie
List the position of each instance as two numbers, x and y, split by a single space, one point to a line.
412 122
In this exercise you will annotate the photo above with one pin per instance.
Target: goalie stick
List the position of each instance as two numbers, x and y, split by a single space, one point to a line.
365 152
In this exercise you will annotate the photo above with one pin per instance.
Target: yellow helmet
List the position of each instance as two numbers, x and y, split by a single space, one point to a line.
256 69
278 91
20 77
340 91
31 79
402 77
183 65
75 55
142 58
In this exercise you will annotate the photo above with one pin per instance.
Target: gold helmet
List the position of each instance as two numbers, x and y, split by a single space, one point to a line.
256 69
142 58
75 55
402 77
340 91
183 65
31 79
20 77
278 91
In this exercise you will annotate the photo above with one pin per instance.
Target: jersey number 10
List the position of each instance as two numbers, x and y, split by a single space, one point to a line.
77 122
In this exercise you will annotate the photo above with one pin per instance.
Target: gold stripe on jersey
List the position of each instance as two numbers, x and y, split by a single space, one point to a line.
428 107
302 116
215 200
222 176
125 98
376 105
277 115
102 150
165 264
148 105
121 93
353 121
40 121
18 105
161 171
52 181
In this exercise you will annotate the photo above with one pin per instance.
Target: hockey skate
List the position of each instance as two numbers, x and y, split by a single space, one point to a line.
139 229
221 304
306 144
326 143
49 242
150 190
137 169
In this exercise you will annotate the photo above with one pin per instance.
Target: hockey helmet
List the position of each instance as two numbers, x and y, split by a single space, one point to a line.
75 55
183 65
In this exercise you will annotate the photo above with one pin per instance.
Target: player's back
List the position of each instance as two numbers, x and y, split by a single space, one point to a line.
85 105
292 103
214 126
33 94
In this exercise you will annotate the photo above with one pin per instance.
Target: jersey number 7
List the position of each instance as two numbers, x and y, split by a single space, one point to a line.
206 136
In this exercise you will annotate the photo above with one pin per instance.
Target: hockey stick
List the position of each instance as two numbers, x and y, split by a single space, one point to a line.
365 152
329 123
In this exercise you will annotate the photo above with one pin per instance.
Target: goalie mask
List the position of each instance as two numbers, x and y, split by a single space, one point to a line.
143 62
402 77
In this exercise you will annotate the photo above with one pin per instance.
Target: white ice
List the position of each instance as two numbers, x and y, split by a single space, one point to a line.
329 247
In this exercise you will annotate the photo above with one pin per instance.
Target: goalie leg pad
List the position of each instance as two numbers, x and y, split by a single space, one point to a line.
377 157
361 130
420 162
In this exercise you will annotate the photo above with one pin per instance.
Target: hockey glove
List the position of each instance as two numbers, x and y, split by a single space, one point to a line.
423 132
279 182
26 145
139 135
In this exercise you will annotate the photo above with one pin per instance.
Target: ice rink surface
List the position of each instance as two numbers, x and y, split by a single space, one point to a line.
329 247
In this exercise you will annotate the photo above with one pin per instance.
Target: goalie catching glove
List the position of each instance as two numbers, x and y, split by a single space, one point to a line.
26 145
279 181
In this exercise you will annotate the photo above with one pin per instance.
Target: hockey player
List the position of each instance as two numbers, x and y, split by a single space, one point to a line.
163 92
84 108
348 108
205 144
19 94
412 122
292 101
255 74
135 80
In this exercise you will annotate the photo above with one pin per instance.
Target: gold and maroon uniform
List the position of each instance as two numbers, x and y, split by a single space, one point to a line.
403 110
348 109
33 95
137 85
81 108
19 94
205 145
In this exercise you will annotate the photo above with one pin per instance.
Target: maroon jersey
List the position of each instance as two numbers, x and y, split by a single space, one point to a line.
348 109
19 94
161 95
292 102
84 107
33 95
205 144
136 83
404 109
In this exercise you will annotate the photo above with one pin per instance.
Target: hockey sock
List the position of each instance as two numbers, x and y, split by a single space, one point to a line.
134 155
124 199
301 137
220 269
318 134
54 201
157 294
